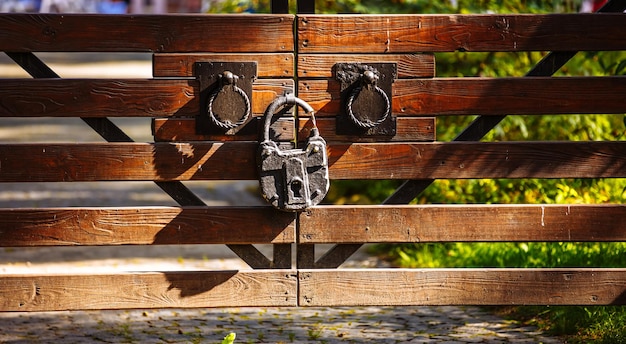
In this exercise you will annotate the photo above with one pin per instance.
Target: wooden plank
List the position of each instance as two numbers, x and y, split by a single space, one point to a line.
128 161
184 129
144 226
116 98
483 223
431 287
432 33
237 161
414 129
96 98
442 160
409 65
149 33
147 290
275 65
486 96
266 91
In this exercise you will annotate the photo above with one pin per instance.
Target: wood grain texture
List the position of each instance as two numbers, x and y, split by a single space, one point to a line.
184 129
409 65
277 65
400 287
486 96
117 98
266 91
237 161
147 290
432 33
96 98
415 129
478 160
128 161
149 33
144 226
462 223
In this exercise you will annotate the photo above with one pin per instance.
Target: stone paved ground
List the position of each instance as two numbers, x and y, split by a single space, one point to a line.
252 325
269 325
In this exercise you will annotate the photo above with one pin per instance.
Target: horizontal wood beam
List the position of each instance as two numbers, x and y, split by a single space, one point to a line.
128 161
117 98
189 289
146 33
276 65
427 97
462 223
409 65
486 96
205 161
452 160
433 33
434 287
144 226
184 129
408 129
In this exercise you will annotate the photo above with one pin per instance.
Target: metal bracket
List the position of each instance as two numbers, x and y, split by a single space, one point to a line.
366 98
225 97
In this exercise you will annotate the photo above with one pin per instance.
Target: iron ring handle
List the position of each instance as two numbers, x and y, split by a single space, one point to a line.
281 101
369 124
231 80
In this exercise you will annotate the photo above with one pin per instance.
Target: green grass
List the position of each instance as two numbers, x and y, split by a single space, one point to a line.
522 255
578 324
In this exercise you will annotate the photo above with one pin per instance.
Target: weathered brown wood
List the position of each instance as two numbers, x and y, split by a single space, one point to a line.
96 98
147 290
431 33
128 161
237 161
116 98
184 129
399 287
181 65
459 223
478 160
409 65
407 129
149 33
144 226
266 90
486 96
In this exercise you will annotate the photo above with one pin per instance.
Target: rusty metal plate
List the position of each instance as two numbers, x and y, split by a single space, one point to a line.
228 103
369 104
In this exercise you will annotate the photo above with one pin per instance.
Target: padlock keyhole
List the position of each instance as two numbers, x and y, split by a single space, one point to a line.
296 188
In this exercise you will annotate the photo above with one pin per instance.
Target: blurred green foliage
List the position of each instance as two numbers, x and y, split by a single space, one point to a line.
406 6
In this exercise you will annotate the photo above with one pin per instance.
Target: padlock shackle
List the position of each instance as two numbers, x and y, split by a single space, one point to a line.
279 102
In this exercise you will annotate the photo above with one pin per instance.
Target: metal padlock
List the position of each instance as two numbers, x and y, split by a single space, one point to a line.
292 179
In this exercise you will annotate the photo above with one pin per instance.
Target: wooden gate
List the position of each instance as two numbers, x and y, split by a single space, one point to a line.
183 151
